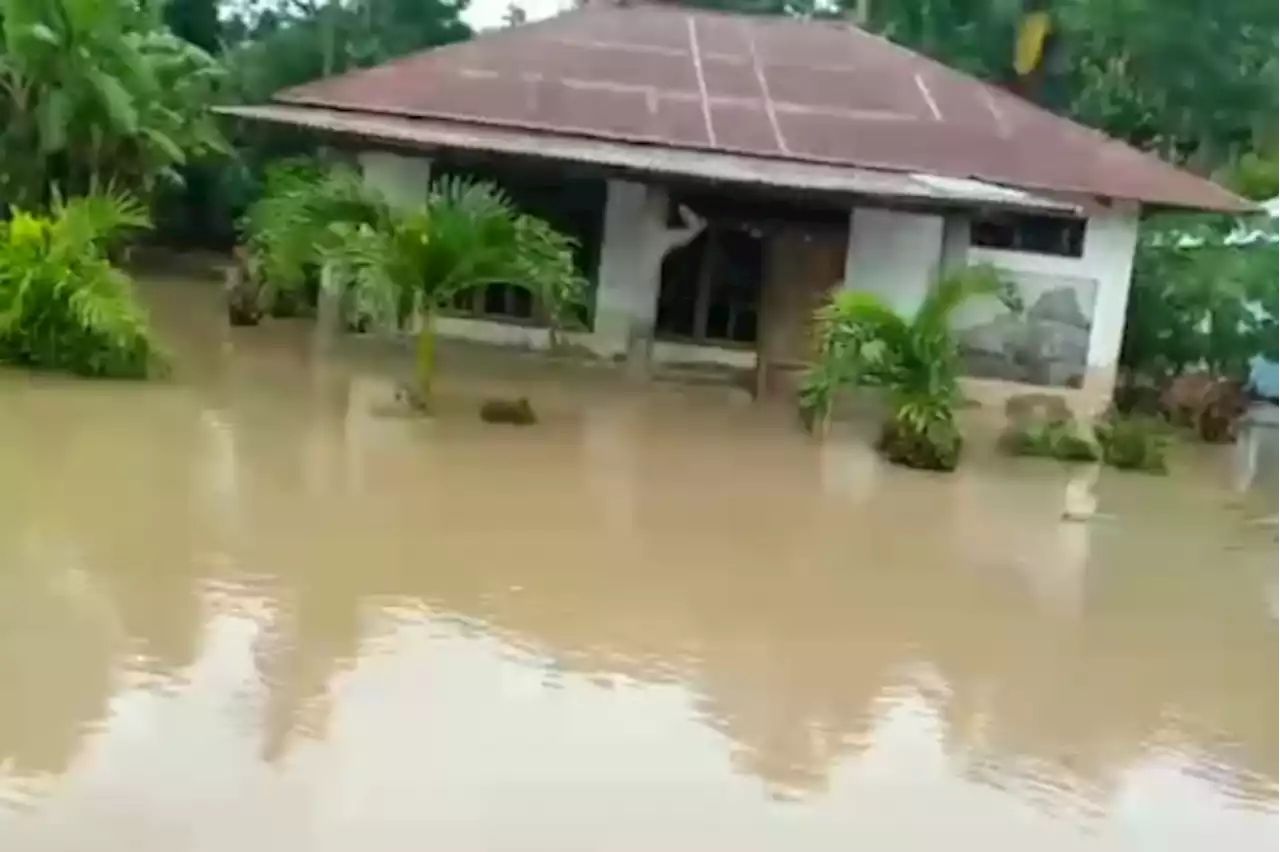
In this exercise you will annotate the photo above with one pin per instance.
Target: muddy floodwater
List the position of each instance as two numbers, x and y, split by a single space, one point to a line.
252 609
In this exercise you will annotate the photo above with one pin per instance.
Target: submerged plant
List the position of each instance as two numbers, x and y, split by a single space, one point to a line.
63 305
1134 443
1059 440
863 341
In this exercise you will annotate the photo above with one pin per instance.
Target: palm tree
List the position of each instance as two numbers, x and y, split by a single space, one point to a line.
466 236
863 341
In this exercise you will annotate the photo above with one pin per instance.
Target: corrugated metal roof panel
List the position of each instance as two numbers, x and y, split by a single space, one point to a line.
806 91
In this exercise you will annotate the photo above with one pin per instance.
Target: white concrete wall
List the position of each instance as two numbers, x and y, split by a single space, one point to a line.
1109 243
894 255
898 256
402 180
1110 239
536 339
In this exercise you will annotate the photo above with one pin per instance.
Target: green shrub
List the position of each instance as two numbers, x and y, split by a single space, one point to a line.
861 340
1132 443
1056 440
935 446
63 305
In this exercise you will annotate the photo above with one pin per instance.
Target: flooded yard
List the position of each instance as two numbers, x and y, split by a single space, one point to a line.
248 609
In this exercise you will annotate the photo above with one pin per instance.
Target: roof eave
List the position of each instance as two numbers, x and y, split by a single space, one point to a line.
745 170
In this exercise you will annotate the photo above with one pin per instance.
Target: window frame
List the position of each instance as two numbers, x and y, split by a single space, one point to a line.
1072 232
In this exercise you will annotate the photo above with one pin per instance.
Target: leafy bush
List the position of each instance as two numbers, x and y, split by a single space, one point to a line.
863 341
466 236
924 437
1056 440
63 305
1132 443
289 228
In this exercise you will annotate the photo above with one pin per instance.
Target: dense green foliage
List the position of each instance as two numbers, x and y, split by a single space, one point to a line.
63 305
389 264
466 236
1192 79
1199 301
97 93
863 341
288 229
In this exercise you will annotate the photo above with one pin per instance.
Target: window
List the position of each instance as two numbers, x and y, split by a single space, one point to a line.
500 301
1057 235
711 288
574 206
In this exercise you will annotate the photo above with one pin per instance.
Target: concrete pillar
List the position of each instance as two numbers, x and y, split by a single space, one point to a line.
895 255
328 310
402 180
636 239
1110 240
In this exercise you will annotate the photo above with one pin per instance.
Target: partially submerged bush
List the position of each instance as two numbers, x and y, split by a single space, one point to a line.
1132 443
63 305
861 340
288 229
1211 405
1056 440
934 445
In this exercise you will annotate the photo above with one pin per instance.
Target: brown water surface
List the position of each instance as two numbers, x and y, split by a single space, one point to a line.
247 610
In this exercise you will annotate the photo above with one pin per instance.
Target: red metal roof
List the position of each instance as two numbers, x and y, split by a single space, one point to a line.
809 91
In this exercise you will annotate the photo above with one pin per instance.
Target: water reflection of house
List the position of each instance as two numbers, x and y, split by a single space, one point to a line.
820 156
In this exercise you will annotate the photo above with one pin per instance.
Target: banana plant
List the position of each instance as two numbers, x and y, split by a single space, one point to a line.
97 92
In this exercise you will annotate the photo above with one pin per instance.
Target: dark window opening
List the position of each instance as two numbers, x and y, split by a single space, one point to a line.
711 288
500 301
1056 235
574 206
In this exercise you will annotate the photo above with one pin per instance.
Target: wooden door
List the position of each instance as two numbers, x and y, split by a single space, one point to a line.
802 268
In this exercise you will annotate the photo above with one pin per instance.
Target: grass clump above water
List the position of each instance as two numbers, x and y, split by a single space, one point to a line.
1134 443
1056 440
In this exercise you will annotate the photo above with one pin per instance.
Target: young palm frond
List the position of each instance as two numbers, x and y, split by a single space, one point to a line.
359 258
97 220
472 239
545 264
863 341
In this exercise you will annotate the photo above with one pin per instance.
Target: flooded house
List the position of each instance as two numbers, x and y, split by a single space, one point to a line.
723 173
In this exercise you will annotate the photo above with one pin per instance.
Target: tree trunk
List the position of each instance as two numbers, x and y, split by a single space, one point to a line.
425 366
